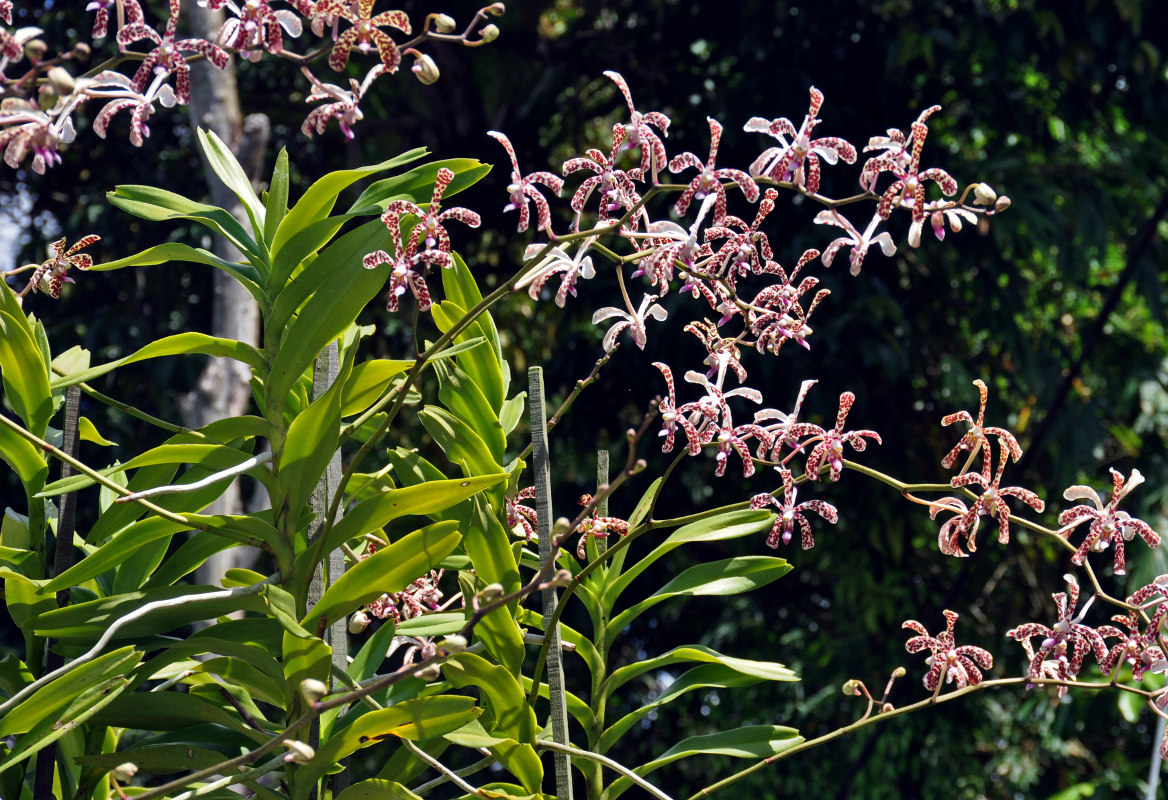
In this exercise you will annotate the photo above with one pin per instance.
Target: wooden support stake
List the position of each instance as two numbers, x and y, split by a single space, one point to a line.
543 506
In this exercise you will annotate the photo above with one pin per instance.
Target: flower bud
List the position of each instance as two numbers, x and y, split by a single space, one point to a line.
47 97
81 50
312 689
298 753
358 622
1002 204
491 592
639 466
489 34
851 687
562 578
899 672
34 49
124 773
496 9
884 709
430 672
454 644
61 80
444 23
425 69
984 194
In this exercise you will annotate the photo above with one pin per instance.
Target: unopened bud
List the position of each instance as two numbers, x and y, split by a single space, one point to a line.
312 689
124 773
639 466
884 709
496 9
47 97
851 687
298 753
358 622
81 50
562 578
425 69
61 79
491 592
1002 204
34 49
430 672
984 194
561 526
899 672
454 644
444 23
489 33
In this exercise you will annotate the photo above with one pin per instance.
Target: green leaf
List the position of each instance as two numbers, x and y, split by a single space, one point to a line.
368 382
483 365
211 457
156 759
88 433
311 441
462 397
332 307
51 729
276 199
25 459
512 413
224 164
426 498
25 373
752 741
91 619
376 789
158 205
372 654
719 528
389 570
56 695
423 718
707 676
461 444
177 345
442 624
172 711
762 670
247 275
727 577
418 183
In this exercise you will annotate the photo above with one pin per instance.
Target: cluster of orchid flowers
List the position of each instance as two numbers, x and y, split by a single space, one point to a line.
37 106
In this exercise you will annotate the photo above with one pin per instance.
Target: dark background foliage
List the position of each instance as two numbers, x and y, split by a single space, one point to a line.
1058 306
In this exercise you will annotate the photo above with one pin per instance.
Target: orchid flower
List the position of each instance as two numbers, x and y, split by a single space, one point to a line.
859 242
798 162
633 320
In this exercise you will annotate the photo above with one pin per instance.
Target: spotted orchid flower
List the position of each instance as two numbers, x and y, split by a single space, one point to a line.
1066 643
404 274
895 146
978 434
782 432
525 517
557 261
616 187
6 11
598 527
790 514
739 254
859 242
709 179
430 221
990 503
640 134
522 190
131 11
783 297
672 417
120 87
798 161
718 424
775 328
722 352
27 129
829 444
365 33
634 321
51 275
937 214
960 665
1140 650
672 243
167 56
345 106
908 190
1109 527
256 27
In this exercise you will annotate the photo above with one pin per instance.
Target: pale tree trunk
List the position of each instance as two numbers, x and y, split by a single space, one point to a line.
223 389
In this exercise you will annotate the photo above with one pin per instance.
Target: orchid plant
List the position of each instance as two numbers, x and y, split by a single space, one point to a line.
422 647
